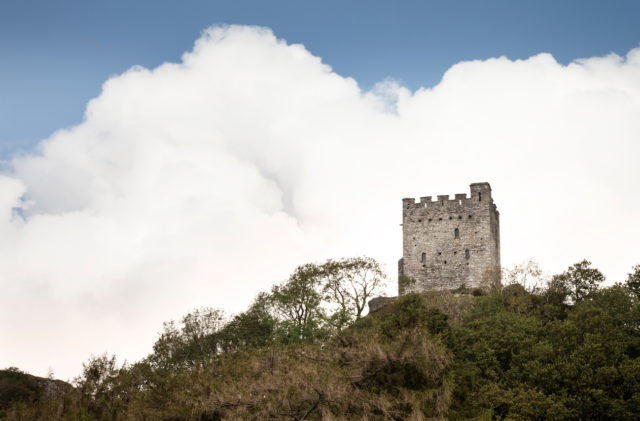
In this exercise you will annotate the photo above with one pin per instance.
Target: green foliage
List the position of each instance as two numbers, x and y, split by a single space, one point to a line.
194 342
319 300
579 282
27 397
297 302
253 328
405 282
17 386
98 386
567 352
633 282
411 312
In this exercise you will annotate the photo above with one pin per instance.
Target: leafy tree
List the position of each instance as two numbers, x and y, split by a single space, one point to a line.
297 303
192 343
253 328
98 386
580 281
633 282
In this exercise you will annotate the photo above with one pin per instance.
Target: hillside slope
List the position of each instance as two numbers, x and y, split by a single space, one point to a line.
570 351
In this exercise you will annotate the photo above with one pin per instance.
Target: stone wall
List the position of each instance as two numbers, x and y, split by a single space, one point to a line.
450 242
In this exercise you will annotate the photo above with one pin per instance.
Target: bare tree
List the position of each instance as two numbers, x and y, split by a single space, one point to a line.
350 283
528 274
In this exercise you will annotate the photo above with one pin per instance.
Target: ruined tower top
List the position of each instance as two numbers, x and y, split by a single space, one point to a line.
448 243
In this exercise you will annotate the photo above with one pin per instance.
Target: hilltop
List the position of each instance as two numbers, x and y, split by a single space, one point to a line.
569 349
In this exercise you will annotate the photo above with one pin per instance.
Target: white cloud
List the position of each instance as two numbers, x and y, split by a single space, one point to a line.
206 181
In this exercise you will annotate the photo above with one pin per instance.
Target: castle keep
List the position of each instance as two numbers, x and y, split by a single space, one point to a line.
450 242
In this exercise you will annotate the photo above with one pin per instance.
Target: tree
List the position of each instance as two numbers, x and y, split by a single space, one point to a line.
98 385
297 302
528 274
580 281
633 282
251 329
194 343
350 283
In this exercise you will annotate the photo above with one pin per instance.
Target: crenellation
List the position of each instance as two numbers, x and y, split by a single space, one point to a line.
408 202
443 198
450 242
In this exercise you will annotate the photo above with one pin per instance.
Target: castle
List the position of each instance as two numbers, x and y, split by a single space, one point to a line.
449 243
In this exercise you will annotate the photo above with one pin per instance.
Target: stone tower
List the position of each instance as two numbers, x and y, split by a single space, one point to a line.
448 243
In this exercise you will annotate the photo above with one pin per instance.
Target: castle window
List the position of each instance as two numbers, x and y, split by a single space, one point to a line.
429 219
419 220
455 252
439 219
445 262
439 253
424 258
479 196
467 255
451 217
469 216
456 233
459 216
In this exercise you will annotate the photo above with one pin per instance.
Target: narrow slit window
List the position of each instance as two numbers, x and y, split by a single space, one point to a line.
456 233
424 258
467 254
479 196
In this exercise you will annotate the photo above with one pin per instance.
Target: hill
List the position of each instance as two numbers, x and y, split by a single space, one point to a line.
570 350
19 390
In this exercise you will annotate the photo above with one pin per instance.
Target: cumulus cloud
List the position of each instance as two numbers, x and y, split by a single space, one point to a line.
205 181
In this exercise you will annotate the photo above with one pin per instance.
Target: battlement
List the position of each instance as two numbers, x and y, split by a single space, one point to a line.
480 196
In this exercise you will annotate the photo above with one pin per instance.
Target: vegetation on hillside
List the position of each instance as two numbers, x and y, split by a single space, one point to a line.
558 350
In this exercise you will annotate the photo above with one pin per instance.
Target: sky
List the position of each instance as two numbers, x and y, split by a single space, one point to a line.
162 156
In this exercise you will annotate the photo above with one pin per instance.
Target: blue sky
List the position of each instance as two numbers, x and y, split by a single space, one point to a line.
55 55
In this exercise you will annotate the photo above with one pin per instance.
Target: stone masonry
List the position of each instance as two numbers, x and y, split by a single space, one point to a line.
450 242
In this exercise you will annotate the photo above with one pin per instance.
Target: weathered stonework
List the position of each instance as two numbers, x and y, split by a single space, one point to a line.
377 303
449 243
